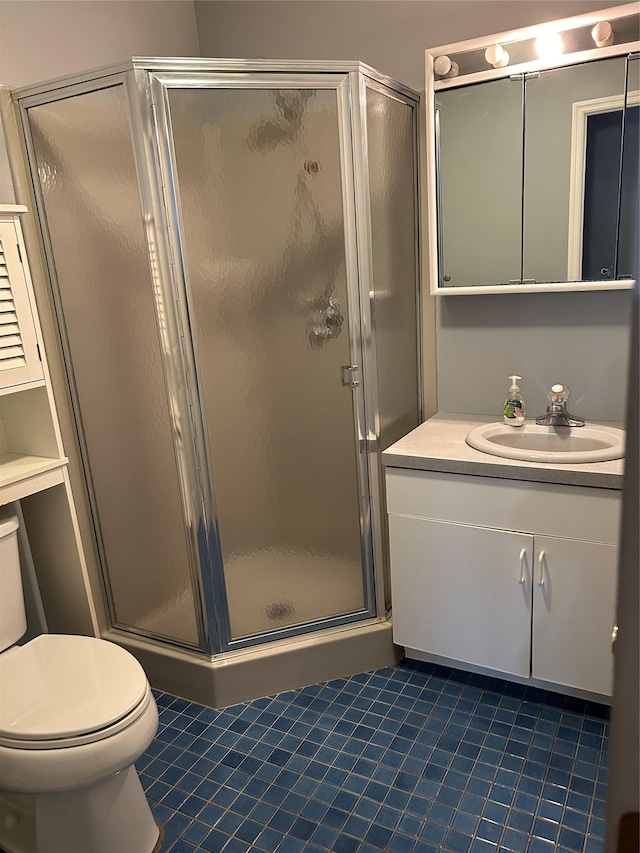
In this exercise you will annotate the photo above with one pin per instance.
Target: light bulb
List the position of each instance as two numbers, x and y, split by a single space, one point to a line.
503 61
493 54
549 46
602 34
453 71
442 65
445 67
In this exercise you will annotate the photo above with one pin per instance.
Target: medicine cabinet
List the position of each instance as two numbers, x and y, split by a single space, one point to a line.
532 158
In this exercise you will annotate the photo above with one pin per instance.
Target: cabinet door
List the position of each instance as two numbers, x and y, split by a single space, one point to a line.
574 602
19 359
462 592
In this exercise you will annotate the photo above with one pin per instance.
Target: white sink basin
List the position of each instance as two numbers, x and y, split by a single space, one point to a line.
533 443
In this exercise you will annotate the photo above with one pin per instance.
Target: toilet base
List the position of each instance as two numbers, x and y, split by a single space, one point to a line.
17 823
113 815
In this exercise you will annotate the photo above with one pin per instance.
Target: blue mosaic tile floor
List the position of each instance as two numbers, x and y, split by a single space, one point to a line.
412 759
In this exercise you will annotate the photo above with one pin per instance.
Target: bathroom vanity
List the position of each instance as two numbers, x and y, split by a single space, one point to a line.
501 566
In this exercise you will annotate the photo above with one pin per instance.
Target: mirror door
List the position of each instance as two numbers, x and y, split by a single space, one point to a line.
480 183
573 145
628 250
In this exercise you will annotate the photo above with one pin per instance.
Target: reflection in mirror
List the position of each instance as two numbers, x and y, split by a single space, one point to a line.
572 171
480 177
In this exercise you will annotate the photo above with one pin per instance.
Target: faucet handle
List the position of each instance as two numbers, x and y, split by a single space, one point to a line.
558 394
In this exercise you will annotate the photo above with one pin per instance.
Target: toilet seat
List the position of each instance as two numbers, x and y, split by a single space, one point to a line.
67 691
75 712
78 740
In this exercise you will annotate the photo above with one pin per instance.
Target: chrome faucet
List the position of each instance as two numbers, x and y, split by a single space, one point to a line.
557 414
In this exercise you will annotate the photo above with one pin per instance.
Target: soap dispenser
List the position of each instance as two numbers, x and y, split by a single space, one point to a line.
513 410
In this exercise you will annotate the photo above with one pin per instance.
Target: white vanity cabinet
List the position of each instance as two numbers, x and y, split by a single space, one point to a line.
514 577
456 592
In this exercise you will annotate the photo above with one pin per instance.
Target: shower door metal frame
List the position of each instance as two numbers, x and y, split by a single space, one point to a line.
265 75
175 386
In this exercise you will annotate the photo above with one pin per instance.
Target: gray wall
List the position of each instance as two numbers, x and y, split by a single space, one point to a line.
391 35
577 338
41 39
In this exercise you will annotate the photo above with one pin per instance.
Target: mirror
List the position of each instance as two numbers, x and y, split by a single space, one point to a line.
536 174
479 181
629 228
572 172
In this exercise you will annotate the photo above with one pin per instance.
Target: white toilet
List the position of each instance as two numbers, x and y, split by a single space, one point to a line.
75 713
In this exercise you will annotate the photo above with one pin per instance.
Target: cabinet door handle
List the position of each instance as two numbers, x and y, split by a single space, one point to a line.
523 554
541 568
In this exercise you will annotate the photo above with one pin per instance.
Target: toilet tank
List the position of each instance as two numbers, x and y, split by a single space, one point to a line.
13 620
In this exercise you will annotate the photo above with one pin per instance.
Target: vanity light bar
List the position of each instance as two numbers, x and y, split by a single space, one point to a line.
547 46
568 41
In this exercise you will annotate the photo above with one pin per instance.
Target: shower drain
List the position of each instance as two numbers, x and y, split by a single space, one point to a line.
280 610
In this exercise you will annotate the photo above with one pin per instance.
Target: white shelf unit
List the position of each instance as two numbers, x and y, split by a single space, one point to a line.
31 454
33 465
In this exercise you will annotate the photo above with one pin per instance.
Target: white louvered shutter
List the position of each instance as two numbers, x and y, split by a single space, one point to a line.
19 358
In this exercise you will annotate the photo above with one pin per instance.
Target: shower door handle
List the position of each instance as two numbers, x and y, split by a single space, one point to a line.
348 375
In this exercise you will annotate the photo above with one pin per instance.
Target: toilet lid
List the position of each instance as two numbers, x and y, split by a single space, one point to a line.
60 686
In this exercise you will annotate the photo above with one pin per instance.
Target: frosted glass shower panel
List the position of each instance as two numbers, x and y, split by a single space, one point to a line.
391 138
392 157
106 300
260 185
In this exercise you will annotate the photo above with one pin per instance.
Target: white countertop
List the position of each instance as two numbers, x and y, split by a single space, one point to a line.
439 445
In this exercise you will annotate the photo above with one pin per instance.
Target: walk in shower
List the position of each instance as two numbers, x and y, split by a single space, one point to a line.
232 247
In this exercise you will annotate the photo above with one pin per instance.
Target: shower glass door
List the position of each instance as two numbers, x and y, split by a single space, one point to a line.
261 178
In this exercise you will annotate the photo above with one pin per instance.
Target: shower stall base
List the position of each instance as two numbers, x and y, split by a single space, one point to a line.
233 263
265 669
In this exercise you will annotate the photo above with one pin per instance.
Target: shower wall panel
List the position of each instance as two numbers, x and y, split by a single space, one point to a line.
393 205
89 186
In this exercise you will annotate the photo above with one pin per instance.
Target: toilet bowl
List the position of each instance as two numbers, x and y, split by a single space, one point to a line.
76 713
